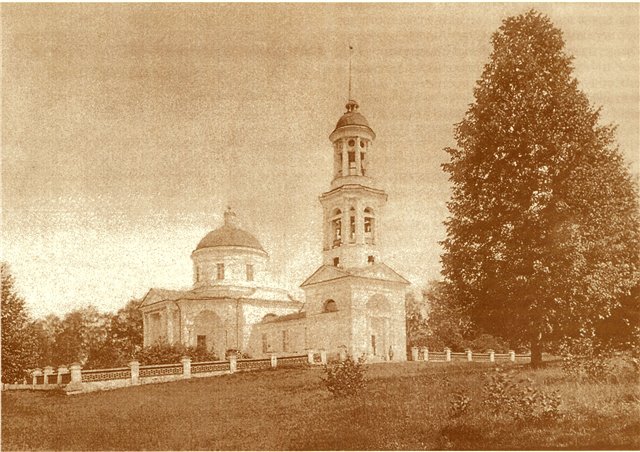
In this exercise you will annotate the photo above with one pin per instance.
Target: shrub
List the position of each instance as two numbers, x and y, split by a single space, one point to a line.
583 359
459 403
163 353
238 353
486 342
345 378
520 399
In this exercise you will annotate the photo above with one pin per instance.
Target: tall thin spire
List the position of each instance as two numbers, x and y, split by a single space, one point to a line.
350 55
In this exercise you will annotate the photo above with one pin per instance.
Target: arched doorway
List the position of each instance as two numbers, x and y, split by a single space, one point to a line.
209 333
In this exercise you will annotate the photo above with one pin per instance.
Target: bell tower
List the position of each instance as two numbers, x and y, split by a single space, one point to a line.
353 204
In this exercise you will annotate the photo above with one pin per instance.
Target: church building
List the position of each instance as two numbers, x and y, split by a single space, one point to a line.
353 301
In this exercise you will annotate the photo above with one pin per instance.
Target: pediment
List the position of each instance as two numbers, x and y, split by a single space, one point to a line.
325 273
157 295
380 271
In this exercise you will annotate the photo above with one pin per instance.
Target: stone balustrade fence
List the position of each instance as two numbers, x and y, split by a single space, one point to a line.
74 380
424 354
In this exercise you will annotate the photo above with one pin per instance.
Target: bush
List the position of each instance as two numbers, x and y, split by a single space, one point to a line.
346 378
238 353
163 353
583 359
459 403
520 399
486 342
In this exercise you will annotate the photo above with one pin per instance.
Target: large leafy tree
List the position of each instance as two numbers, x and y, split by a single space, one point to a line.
123 340
79 332
416 316
543 236
19 351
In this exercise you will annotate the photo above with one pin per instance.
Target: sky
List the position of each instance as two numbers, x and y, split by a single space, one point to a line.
128 128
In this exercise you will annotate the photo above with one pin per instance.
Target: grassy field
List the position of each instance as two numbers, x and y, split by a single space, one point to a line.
405 406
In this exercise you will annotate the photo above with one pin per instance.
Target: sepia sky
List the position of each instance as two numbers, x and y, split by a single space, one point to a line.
128 128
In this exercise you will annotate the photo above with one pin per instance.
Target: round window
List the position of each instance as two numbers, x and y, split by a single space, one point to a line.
352 143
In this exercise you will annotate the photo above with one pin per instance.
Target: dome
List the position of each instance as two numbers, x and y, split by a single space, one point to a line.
352 117
229 235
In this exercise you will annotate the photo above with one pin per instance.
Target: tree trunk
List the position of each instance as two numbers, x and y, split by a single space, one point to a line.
536 351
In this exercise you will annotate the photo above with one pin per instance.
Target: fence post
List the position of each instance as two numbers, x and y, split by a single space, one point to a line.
492 356
414 353
425 354
135 372
274 360
512 356
35 374
48 370
469 355
310 356
186 367
447 354
61 371
233 363
323 356
76 379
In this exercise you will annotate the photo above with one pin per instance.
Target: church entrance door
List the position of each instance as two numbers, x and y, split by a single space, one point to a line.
377 347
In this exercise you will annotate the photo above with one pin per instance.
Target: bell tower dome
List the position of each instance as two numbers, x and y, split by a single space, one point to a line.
354 203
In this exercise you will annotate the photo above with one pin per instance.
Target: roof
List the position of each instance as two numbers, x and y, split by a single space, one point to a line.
286 317
352 117
229 236
250 294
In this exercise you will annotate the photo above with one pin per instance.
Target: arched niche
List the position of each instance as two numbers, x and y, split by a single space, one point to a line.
209 332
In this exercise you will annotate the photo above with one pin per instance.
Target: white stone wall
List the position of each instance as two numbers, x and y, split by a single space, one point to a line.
253 313
325 331
355 321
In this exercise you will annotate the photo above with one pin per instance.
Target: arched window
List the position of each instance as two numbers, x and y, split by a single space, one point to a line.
352 157
369 225
352 225
363 155
336 228
330 306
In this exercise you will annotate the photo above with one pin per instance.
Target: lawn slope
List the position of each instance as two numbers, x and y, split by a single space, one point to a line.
405 406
